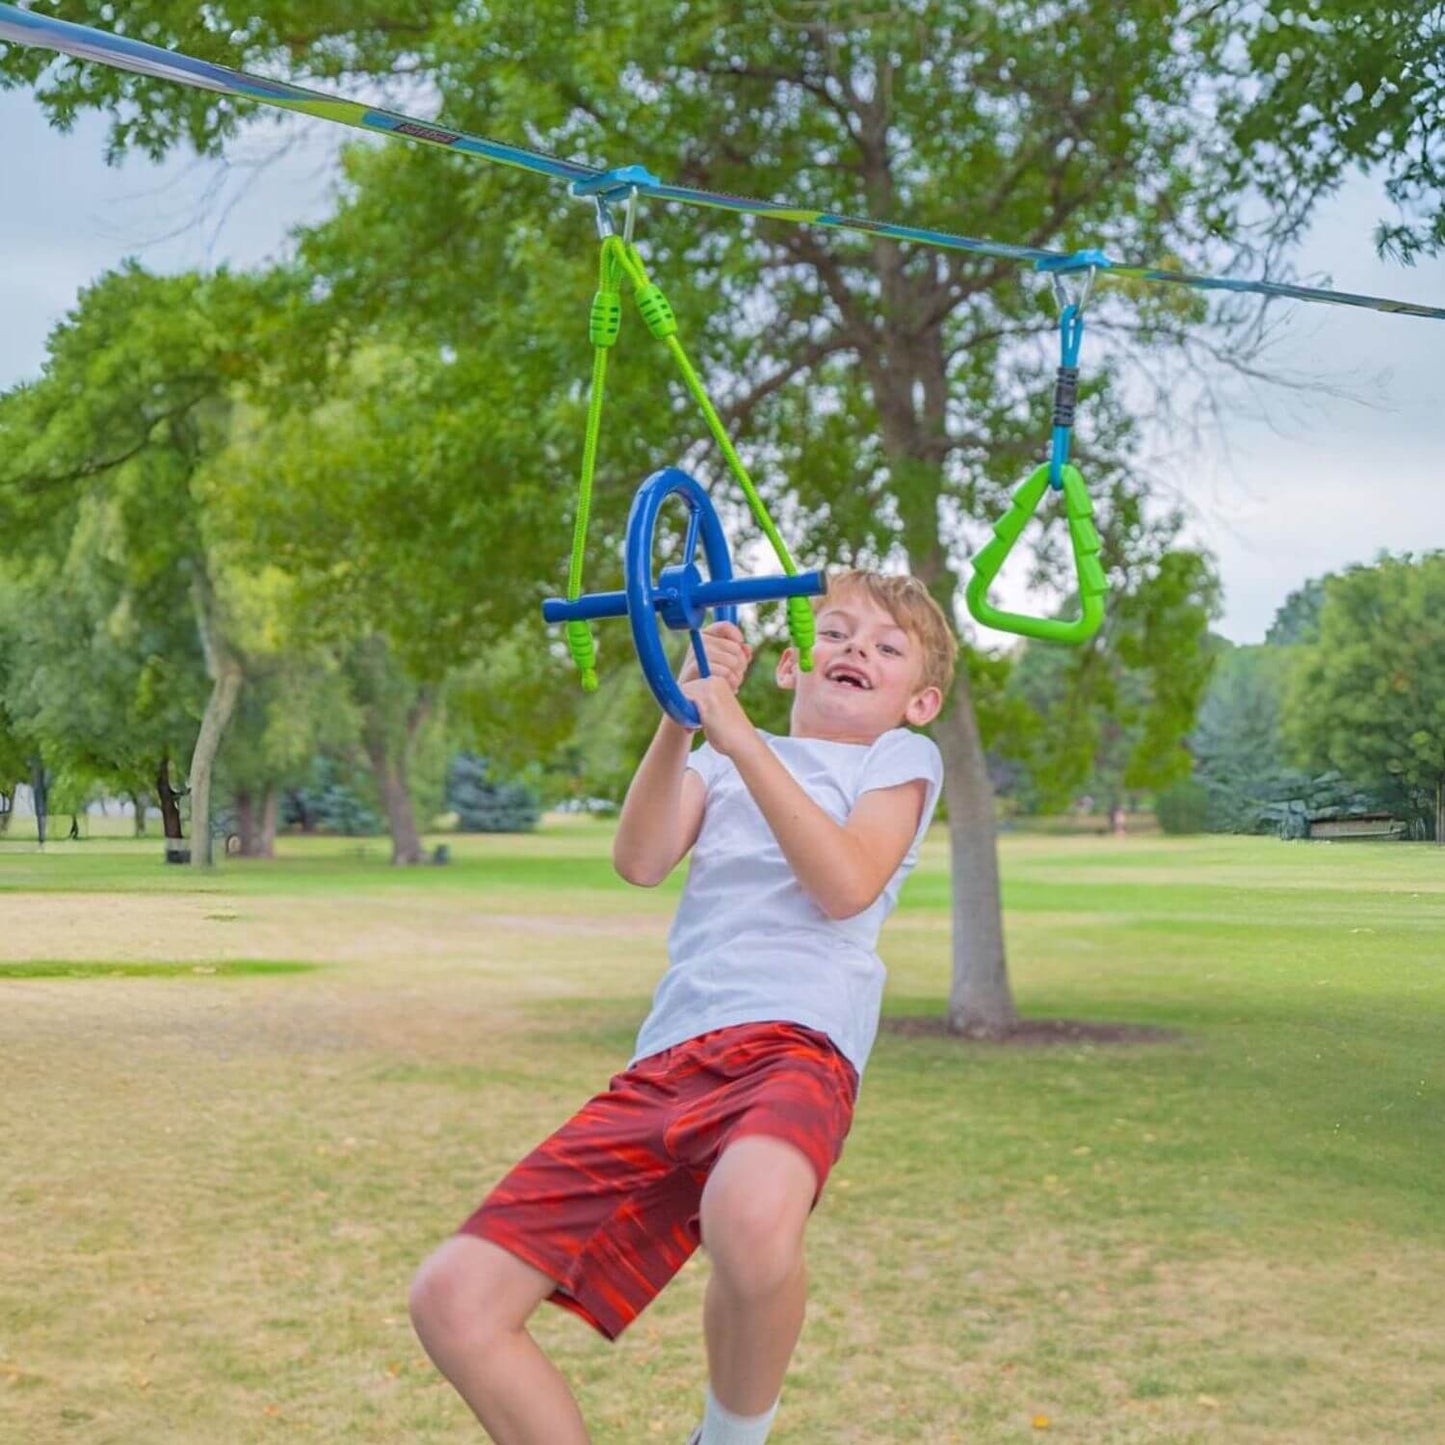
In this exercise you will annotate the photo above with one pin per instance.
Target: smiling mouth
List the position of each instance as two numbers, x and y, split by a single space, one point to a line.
848 678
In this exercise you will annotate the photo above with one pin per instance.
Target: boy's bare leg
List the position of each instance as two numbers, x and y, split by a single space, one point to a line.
754 1208
469 1304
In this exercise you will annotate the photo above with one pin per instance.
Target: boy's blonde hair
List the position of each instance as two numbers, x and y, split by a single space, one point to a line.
910 604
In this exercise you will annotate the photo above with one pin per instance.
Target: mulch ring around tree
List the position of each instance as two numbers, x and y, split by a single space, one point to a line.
1035 1033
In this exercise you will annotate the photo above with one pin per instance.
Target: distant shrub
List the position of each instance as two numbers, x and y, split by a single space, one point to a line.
484 804
330 802
1183 807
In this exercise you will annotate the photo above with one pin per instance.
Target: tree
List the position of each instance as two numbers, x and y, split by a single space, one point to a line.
1298 618
1236 742
893 394
295 702
1341 86
405 506
901 394
103 669
136 398
1114 716
15 746
485 803
1368 696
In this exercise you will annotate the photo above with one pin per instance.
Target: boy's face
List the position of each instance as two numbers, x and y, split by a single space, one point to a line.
866 678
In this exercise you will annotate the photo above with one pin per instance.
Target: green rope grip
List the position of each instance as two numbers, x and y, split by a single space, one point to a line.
656 311
802 627
606 321
584 652
1093 586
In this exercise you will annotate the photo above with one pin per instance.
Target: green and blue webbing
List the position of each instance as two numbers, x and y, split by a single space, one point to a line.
23 27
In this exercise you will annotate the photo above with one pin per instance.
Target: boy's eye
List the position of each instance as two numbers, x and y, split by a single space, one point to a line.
889 647
830 632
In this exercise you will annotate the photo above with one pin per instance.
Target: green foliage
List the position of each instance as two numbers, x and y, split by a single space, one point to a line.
1183 807
1298 619
1368 696
103 500
1112 717
414 482
486 804
334 798
1236 741
1240 742
1342 86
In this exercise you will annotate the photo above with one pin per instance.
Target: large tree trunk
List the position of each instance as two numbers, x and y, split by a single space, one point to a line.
170 800
219 707
40 789
256 822
914 419
270 816
138 802
1440 814
980 1001
246 822
7 810
389 764
224 669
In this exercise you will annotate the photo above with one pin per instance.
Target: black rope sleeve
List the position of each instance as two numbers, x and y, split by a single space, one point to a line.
1066 395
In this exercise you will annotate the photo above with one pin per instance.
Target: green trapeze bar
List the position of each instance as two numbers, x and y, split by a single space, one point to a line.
1079 511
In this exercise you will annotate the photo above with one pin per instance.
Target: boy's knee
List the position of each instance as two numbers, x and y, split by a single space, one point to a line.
473 1288
446 1298
434 1299
753 1250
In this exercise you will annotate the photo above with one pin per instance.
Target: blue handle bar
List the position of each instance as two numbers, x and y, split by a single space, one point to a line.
707 594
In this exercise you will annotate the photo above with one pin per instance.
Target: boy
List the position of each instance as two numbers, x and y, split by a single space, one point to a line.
724 1125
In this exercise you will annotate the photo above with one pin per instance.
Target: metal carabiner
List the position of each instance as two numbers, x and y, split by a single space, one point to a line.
631 216
1061 291
607 186
1090 262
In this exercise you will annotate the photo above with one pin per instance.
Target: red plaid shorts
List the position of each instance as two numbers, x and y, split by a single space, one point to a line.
608 1205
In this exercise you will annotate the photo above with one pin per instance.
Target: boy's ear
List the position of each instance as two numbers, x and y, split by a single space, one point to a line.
923 707
786 673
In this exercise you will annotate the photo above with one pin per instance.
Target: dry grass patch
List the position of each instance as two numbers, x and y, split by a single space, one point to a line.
215 1188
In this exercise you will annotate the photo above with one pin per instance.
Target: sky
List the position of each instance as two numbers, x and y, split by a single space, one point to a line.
1292 482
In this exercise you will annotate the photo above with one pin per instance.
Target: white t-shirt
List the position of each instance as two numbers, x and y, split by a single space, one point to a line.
748 944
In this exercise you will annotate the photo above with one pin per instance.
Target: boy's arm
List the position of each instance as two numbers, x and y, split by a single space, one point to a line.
662 812
665 801
842 867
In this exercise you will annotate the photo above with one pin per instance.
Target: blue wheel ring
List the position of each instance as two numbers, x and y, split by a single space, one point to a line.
642 596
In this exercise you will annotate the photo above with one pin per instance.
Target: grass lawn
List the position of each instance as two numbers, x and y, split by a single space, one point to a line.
239 1109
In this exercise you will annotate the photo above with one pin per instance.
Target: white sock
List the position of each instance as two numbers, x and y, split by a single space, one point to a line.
721 1427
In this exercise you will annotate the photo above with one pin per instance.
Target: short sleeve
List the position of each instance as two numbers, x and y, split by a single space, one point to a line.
706 761
900 756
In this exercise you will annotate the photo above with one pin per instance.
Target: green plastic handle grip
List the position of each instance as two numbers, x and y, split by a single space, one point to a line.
1093 587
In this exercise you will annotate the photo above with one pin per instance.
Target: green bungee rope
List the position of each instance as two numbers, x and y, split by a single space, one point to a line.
621 258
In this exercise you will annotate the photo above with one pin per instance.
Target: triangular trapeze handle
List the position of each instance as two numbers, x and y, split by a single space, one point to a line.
1085 539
